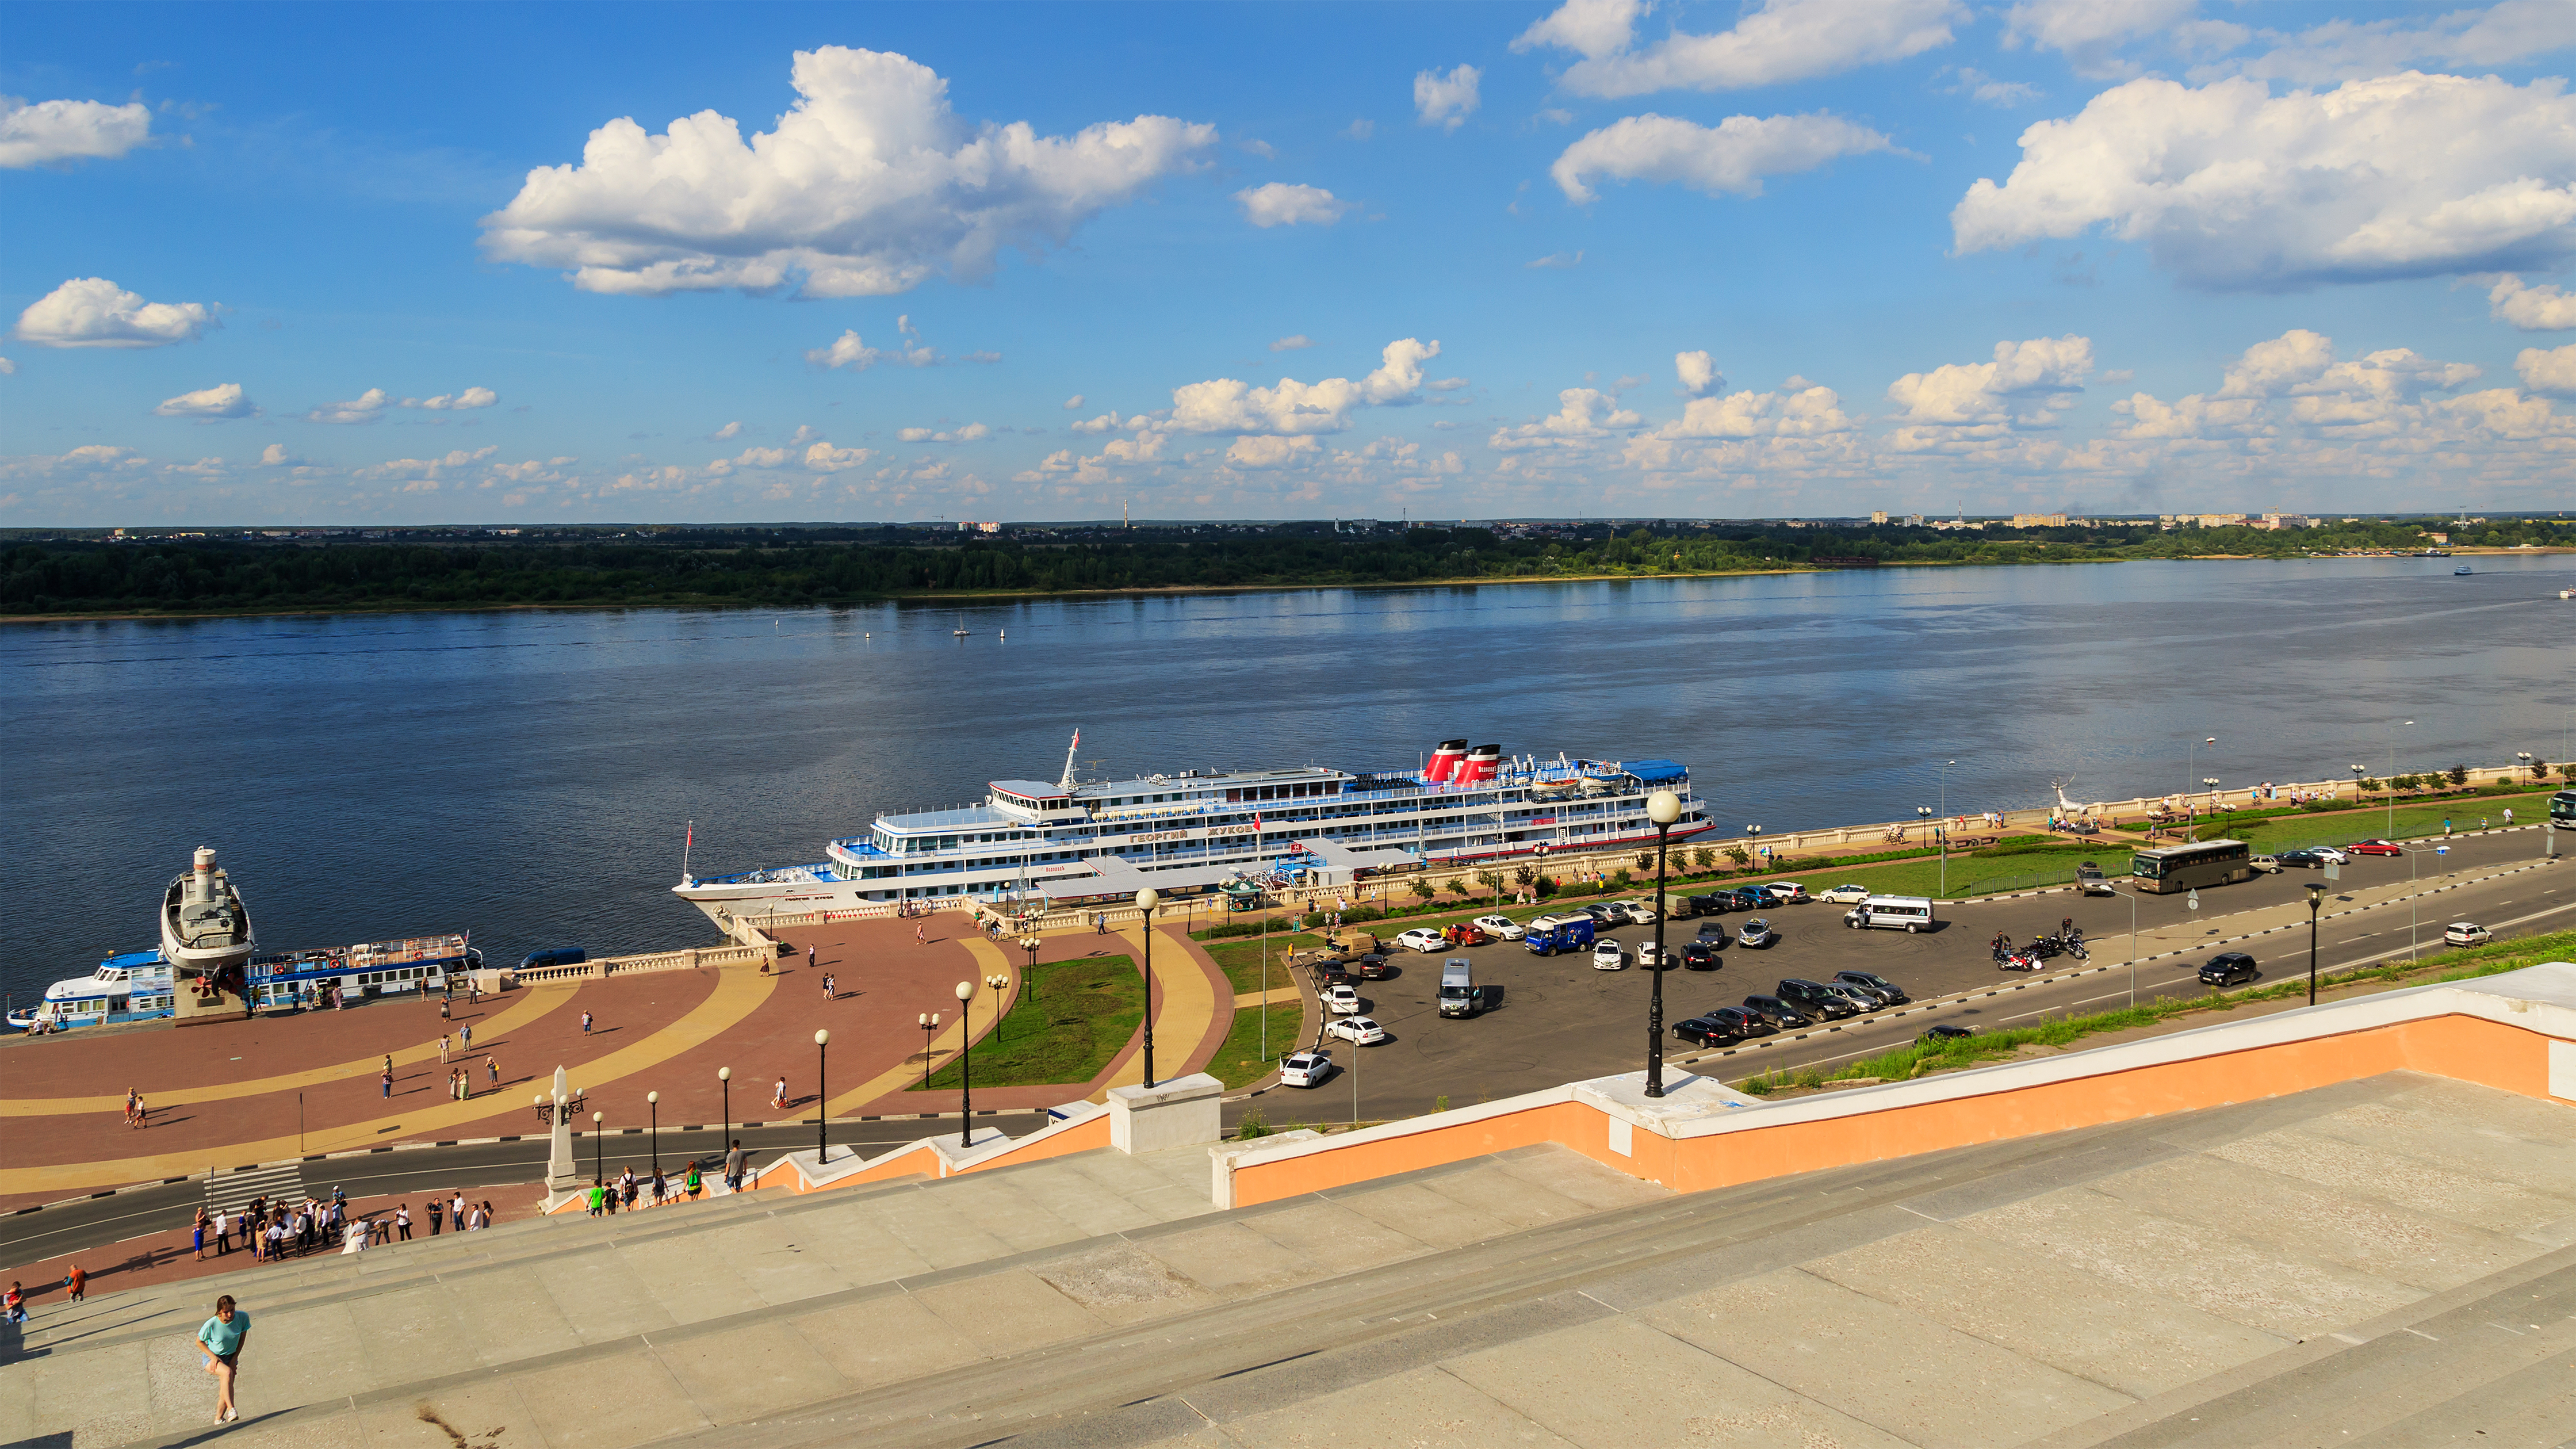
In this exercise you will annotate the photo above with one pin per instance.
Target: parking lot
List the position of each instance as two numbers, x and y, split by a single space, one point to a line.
1557 1019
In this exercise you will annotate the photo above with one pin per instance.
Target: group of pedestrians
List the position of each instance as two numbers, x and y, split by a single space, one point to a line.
136 1114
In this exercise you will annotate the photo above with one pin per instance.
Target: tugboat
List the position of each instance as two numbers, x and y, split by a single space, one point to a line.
2462 569
206 937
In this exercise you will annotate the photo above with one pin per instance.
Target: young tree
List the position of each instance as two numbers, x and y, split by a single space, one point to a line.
1526 877
1492 880
1739 855
2371 787
2459 774
1703 860
1457 884
1645 861
1423 889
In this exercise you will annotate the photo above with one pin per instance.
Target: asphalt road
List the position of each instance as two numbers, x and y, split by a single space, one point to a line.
97 1222
1560 1020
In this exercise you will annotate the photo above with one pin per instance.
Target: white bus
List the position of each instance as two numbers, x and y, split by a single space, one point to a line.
1911 913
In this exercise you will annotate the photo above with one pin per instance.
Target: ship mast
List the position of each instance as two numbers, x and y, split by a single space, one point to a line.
1067 782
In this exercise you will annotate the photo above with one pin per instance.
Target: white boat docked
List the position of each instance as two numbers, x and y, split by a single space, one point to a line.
1085 842
129 986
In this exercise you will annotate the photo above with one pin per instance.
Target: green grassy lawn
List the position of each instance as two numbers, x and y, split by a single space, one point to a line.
1241 959
1920 1059
1074 1017
2338 827
1240 1061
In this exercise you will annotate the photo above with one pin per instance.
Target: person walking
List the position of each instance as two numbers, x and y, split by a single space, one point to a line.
13 1304
197 1234
402 1222
142 1113
465 1038
388 1081
220 1340
919 938
692 1184
585 1023
442 1046
76 1284
595 1195
809 958
223 1232
492 1071
778 1095
733 1167
436 1211
456 1208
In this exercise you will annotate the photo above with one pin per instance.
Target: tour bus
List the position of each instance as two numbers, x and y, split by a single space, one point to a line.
2562 809
1907 913
2170 869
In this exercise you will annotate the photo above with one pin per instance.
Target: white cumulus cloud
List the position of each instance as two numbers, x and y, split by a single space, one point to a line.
366 407
2294 386
2552 372
1072 403
1583 416
848 350
2088 31
47 132
1225 405
2232 187
729 430
472 397
1292 344
1785 40
225 400
1259 451
1446 100
1698 373
2466 39
1280 204
95 312
1728 159
971 433
869 185
2026 386
2531 309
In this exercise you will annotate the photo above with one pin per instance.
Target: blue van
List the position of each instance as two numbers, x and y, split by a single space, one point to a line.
1550 934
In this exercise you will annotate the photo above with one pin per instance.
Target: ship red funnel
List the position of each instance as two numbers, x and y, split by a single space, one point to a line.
1445 761
1482 763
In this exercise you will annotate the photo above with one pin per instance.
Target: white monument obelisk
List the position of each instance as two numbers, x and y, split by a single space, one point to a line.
562 1174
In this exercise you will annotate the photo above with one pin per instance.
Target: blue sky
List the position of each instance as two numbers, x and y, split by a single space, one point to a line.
355 264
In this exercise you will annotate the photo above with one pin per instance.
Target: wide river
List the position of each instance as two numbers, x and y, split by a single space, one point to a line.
529 776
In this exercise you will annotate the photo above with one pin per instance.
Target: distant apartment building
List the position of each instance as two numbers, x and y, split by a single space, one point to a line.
1878 515
2278 521
2039 520
1914 520
979 528
2443 539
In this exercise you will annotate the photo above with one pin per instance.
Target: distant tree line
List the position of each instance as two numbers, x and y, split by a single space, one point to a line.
769 568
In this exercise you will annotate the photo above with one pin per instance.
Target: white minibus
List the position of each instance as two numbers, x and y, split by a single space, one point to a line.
1912 913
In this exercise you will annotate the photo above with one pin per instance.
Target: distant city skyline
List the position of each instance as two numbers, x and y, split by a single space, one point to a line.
1797 258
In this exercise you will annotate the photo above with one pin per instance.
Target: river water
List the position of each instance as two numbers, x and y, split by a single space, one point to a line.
529 776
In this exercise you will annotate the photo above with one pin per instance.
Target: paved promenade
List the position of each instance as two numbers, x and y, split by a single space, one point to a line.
263 1091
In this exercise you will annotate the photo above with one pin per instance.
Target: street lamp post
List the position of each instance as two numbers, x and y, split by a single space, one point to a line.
1755 832
1942 830
997 981
1941 838
1145 900
596 1171
724 1079
2211 781
653 1100
2191 759
2316 898
2133 948
822 1100
929 1024
1663 807
966 1066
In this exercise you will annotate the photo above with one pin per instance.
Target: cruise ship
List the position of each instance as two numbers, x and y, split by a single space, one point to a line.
1079 843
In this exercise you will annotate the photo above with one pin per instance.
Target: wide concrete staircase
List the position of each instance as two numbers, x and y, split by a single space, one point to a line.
627 1330
2386 1262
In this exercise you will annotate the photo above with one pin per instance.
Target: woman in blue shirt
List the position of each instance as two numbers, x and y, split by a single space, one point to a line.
221 1341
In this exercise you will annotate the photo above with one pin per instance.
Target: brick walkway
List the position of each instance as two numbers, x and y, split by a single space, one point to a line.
228 1095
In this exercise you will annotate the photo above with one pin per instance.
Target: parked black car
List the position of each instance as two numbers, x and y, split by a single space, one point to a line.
1750 898
1744 1020
1777 1012
1701 955
2308 858
1713 904
1812 998
1372 967
1705 1031
1893 993
1713 930
2227 968
1932 1036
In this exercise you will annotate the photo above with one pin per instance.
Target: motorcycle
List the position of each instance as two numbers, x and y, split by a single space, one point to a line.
2020 961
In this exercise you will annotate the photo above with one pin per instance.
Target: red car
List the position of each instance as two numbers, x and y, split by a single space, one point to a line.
2373 847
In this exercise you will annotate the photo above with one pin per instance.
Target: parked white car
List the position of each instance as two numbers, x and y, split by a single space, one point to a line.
1647 959
1844 895
1341 1000
1305 1069
1609 956
1785 892
1357 1030
2467 933
1423 939
1641 912
2329 854
1501 928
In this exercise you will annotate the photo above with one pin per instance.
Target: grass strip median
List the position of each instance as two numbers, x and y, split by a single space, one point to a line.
1240 1062
1072 1020
1927 1058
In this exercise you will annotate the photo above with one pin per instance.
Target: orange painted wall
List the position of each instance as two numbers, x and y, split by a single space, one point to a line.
2467 1048
921 1162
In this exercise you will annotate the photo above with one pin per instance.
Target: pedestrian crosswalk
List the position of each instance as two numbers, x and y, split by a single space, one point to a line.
232 1191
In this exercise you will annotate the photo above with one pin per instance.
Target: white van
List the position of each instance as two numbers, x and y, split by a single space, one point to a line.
1913 913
